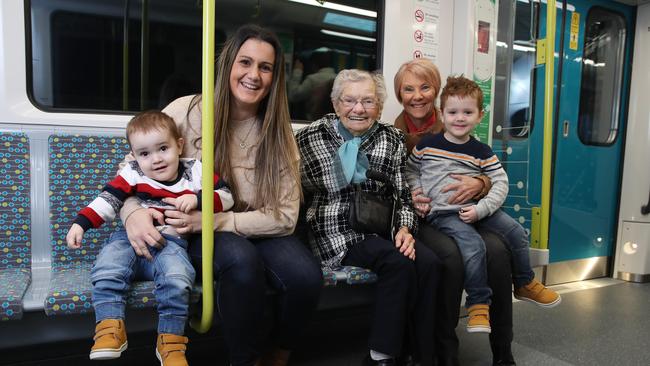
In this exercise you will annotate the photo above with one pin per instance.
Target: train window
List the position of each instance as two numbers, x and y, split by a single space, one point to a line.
126 56
602 73
514 64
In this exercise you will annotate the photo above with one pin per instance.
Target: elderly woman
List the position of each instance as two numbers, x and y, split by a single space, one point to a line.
336 152
417 84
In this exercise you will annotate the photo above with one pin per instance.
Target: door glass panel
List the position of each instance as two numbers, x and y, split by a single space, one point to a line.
515 62
602 72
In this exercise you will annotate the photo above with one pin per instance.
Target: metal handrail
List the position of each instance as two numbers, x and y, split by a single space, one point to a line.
547 153
203 324
125 57
144 55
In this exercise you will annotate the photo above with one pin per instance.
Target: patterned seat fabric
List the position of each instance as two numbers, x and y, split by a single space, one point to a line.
80 166
348 274
329 277
15 224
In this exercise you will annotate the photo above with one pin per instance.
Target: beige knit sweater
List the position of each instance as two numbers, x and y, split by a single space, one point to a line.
252 222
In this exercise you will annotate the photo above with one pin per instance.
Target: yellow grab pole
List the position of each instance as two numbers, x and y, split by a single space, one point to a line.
547 154
207 148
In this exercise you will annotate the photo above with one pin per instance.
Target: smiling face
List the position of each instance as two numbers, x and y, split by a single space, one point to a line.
460 115
418 97
357 118
251 76
157 153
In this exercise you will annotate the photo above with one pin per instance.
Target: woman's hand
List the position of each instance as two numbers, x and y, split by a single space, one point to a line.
466 188
184 223
141 232
468 214
421 202
405 242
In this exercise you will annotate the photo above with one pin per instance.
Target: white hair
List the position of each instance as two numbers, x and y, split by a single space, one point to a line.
355 75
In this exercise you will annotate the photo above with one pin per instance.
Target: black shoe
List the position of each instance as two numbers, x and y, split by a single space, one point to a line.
448 361
370 362
406 360
502 355
504 363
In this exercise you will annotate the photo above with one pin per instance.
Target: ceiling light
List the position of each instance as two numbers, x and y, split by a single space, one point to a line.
347 21
339 7
347 35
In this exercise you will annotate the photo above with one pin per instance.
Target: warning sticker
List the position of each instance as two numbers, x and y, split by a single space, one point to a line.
425 28
575 31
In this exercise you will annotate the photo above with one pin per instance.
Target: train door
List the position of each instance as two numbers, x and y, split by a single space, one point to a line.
593 43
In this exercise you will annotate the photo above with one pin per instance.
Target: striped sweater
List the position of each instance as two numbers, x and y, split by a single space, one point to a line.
131 181
434 159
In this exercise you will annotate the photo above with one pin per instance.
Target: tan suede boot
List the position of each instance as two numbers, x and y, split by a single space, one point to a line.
479 319
110 340
538 294
170 350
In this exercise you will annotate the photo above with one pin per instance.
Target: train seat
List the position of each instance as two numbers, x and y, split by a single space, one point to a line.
79 167
15 224
348 274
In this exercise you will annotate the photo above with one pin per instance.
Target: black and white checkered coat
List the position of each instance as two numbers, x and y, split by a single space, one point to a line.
328 212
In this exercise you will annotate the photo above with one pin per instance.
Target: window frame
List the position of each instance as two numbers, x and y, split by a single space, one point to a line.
29 87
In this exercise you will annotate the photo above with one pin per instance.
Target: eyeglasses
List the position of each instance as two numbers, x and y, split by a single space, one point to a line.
367 103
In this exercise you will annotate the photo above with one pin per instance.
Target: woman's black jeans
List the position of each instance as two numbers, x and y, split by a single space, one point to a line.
242 270
450 290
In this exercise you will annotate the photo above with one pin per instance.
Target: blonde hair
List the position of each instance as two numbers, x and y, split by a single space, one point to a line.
423 69
277 153
152 120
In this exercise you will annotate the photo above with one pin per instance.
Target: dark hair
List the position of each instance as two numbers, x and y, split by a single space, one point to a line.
277 152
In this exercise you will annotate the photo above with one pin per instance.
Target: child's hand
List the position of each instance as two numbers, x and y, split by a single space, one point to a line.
468 214
75 234
186 202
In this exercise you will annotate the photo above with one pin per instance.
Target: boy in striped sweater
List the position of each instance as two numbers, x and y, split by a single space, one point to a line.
157 174
455 151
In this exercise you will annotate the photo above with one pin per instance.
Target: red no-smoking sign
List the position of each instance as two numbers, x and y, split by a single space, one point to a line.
419 15
418 35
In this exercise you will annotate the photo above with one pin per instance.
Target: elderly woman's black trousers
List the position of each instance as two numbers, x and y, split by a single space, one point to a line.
404 299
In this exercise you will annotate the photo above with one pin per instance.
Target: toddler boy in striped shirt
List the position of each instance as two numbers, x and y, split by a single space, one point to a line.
455 151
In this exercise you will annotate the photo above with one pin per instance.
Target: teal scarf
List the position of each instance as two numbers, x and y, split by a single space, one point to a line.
353 161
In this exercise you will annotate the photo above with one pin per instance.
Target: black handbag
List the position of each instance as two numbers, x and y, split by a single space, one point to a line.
370 213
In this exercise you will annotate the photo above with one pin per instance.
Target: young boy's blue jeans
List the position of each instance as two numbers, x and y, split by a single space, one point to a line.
117 266
472 248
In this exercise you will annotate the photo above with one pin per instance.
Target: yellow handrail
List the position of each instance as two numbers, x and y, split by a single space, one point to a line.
207 148
547 154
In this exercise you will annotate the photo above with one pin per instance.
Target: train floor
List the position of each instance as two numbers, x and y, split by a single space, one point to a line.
599 322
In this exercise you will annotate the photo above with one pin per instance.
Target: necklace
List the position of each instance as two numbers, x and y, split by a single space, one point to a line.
242 142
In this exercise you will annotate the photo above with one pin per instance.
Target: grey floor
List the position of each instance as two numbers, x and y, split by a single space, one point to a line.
599 322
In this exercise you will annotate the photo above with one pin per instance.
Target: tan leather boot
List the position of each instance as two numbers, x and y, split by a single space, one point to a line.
538 294
479 319
170 350
110 340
